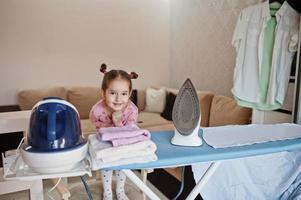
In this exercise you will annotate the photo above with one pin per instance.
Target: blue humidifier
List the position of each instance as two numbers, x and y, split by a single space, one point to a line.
54 141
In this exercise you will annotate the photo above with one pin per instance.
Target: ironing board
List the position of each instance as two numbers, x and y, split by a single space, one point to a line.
174 156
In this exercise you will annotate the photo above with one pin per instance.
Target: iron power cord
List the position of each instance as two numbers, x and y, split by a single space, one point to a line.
182 184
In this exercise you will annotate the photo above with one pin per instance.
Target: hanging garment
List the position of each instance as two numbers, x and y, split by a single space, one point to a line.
268 45
251 88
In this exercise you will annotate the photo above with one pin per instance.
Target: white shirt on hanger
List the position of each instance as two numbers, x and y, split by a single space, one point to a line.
248 42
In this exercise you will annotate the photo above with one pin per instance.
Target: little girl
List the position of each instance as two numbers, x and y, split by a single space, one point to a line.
115 109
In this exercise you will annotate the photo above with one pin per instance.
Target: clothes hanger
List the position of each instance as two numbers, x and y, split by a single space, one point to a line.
273 1
279 1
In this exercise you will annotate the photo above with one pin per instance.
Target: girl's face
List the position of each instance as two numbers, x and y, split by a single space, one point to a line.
117 94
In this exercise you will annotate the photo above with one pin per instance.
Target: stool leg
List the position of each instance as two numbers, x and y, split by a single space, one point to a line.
36 190
62 189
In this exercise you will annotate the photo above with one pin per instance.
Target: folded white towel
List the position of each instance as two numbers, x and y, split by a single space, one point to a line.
97 164
107 153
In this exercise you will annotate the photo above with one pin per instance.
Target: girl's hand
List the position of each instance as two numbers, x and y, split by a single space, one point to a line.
117 118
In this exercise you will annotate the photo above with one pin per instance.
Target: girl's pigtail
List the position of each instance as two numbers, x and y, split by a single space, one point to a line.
103 68
133 75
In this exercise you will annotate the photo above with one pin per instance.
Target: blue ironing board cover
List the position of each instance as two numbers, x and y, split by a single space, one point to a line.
171 156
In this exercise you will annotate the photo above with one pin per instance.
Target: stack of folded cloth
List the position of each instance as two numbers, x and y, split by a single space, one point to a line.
114 146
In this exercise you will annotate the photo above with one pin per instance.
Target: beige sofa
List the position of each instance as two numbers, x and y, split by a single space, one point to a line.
216 110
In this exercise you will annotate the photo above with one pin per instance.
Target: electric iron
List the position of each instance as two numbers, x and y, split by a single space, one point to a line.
54 141
186 116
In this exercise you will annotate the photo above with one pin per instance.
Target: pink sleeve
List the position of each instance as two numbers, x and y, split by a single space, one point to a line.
96 117
132 115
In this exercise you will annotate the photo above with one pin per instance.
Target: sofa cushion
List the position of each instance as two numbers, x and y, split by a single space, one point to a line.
134 96
205 98
141 99
172 90
225 111
83 98
148 119
155 100
28 98
167 112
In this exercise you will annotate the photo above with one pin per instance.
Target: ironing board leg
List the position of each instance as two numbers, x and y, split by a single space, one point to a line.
202 182
144 178
139 183
144 173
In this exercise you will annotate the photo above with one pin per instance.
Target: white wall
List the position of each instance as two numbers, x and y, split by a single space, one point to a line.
62 43
201 34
